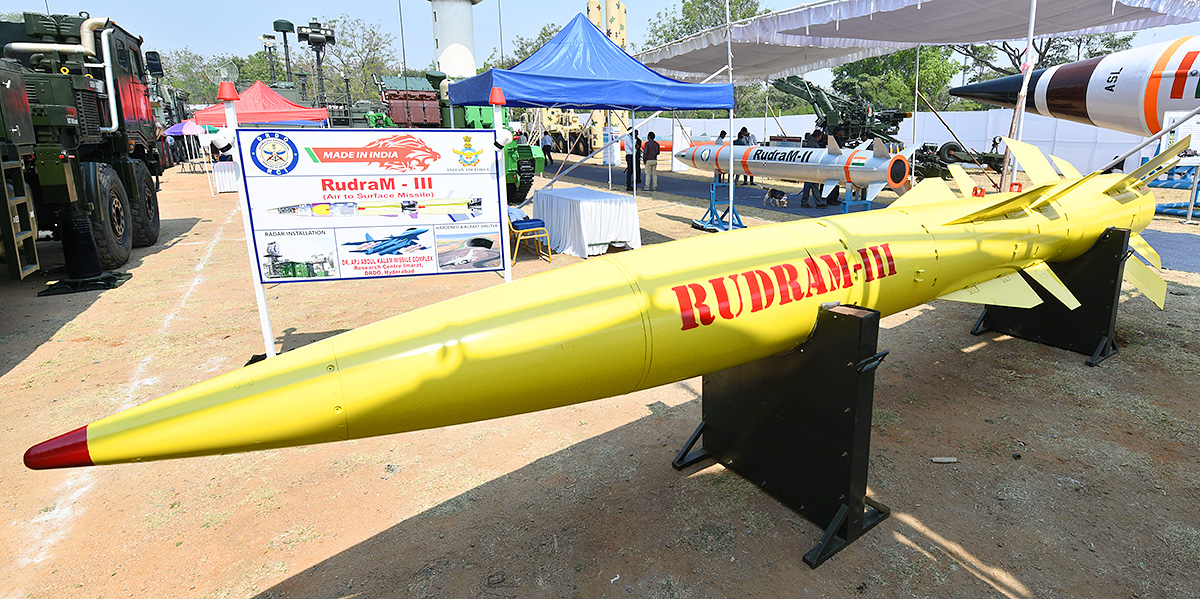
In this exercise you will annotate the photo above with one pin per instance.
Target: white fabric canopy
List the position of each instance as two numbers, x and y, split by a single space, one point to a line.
833 32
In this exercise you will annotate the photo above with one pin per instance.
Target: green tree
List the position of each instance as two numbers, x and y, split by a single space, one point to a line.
1003 59
693 16
363 51
887 81
522 48
184 69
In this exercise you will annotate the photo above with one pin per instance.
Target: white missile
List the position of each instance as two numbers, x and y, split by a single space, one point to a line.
868 168
1125 91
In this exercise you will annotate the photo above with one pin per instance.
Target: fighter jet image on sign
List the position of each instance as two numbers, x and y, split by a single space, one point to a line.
868 169
394 244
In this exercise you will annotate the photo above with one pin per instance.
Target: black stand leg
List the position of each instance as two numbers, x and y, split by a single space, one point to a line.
799 424
1095 280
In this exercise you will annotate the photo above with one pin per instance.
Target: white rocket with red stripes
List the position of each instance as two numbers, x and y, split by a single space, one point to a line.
868 168
1126 91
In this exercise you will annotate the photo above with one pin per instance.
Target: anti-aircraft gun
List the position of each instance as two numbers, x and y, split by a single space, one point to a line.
78 148
856 115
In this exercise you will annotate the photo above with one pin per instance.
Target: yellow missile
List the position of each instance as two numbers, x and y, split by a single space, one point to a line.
635 320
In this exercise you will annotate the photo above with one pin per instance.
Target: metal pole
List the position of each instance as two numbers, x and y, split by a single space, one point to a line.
1014 130
916 87
500 170
404 73
287 58
729 63
1192 197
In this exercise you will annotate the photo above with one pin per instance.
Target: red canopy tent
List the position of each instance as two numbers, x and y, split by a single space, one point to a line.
261 104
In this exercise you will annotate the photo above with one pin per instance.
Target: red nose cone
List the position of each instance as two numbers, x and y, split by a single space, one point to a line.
497 97
64 451
226 91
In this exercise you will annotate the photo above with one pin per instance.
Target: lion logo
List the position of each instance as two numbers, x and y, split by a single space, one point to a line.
404 153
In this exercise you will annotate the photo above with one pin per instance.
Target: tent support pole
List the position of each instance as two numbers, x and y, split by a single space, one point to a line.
1014 130
729 63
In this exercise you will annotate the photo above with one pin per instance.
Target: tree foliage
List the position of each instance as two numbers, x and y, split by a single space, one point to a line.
362 49
693 16
887 81
999 60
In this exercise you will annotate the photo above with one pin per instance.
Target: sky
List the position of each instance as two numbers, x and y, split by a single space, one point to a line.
174 25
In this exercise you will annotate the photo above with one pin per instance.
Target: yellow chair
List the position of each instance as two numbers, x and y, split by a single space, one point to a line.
530 230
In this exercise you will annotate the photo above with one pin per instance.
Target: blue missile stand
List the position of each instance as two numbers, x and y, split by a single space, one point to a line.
712 221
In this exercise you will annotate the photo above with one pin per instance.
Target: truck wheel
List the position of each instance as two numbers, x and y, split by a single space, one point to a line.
144 208
114 236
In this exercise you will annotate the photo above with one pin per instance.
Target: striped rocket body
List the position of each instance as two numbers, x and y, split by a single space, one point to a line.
1125 91
867 167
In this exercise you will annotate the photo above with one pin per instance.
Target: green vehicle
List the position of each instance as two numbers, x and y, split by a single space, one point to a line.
423 102
79 147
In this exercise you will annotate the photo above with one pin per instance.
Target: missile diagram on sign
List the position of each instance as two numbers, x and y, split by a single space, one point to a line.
1126 91
658 315
868 168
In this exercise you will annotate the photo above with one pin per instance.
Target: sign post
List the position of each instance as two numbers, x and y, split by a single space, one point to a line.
227 93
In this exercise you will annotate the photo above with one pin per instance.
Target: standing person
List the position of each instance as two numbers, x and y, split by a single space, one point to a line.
637 157
812 190
630 141
650 156
547 146
741 140
751 141
720 142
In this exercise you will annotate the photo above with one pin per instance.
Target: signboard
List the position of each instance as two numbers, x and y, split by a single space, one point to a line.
1191 127
330 204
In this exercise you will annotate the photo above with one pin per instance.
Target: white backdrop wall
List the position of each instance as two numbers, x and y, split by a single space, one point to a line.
1085 146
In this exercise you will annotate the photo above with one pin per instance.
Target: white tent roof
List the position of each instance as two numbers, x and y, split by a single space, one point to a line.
833 32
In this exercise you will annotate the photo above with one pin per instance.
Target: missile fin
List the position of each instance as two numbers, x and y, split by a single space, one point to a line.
930 190
1066 168
1037 168
1139 245
833 149
1065 189
873 190
1005 206
1147 281
1151 170
829 186
880 150
962 179
1006 290
1041 272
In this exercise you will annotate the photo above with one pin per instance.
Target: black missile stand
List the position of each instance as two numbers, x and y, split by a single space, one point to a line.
1095 280
798 425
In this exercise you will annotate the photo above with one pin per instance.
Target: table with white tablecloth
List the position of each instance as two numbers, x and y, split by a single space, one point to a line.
584 222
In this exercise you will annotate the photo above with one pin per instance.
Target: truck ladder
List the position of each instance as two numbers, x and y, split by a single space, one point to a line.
19 225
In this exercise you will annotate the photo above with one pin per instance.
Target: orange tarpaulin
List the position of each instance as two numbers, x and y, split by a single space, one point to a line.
260 104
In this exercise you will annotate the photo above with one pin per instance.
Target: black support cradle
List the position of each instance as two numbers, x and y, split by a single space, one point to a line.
1095 280
798 425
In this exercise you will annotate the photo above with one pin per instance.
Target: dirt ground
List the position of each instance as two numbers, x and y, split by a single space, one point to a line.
1070 481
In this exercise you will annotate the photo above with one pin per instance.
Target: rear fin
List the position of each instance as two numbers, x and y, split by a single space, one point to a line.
962 179
1041 272
930 190
1062 191
881 150
1151 170
369 238
1147 281
1066 168
873 190
1009 204
1032 161
833 149
1006 290
1142 247
829 186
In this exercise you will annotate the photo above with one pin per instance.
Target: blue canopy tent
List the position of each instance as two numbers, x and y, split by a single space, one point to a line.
581 68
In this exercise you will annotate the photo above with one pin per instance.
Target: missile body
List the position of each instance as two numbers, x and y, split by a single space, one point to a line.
866 168
1126 91
630 321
